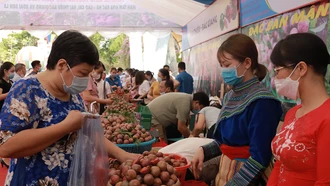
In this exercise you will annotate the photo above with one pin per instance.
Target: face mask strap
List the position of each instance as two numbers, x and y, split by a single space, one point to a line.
71 73
295 68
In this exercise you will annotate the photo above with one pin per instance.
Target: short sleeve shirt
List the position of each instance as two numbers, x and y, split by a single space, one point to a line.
171 107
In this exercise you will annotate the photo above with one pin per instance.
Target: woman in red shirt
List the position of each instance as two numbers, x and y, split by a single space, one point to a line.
301 148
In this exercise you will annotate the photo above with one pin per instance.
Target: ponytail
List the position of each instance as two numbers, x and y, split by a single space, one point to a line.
260 72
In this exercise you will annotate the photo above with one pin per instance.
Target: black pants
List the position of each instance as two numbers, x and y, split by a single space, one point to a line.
172 132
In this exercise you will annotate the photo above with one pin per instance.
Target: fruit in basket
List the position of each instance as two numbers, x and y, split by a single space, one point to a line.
136 167
126 133
149 169
130 174
155 171
114 179
157 182
165 176
148 179
162 165
174 178
134 182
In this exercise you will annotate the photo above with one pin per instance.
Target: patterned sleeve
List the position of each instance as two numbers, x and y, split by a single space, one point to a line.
211 150
20 110
264 116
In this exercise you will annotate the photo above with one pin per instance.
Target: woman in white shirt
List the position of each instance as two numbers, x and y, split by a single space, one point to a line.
143 83
103 87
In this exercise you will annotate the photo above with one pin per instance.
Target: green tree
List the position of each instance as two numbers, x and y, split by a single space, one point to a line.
10 46
108 48
97 39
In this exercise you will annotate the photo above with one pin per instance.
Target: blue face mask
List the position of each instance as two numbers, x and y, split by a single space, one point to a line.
230 77
11 76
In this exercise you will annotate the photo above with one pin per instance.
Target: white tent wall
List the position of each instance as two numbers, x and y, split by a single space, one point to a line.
155 50
135 44
171 56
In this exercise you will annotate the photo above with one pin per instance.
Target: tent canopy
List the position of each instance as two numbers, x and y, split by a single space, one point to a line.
98 14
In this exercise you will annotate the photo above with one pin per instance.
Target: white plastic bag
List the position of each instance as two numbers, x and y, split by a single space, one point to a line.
90 160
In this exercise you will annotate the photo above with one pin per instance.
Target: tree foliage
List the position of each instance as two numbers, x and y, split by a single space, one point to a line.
111 50
10 46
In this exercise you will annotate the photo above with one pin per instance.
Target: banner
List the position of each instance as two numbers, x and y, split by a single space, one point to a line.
203 65
254 10
267 33
81 13
219 18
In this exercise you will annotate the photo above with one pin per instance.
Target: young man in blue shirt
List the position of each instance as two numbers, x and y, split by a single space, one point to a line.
114 79
186 80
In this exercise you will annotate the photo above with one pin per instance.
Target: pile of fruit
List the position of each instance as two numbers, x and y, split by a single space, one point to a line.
120 123
152 169
125 133
120 103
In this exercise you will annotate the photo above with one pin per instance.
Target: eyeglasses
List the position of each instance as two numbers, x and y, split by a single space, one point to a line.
277 70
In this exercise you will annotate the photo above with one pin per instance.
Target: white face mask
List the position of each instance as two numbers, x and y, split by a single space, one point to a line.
96 75
288 87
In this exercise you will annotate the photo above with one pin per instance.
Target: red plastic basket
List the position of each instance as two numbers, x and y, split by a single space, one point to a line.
182 171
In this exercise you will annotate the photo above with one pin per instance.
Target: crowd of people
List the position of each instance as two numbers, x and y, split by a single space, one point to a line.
41 113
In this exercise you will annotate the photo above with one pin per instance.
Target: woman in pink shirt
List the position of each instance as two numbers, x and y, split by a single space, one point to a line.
91 95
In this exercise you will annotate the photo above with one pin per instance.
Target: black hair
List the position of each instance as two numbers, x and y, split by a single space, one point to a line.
133 73
182 65
165 73
75 48
112 69
166 66
241 46
148 73
139 77
5 66
35 63
99 65
202 98
169 84
129 71
120 69
305 47
19 66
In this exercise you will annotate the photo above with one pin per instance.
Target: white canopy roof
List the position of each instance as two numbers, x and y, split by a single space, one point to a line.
95 15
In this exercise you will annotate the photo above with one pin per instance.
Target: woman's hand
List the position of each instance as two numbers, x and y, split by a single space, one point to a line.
128 156
197 162
73 120
109 101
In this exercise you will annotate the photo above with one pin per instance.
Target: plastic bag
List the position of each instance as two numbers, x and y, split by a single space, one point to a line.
90 160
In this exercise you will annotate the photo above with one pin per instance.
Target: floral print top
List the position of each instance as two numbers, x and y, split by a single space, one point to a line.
301 149
29 106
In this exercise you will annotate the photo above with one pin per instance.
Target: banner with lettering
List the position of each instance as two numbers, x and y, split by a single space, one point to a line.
203 65
267 33
77 13
255 10
219 18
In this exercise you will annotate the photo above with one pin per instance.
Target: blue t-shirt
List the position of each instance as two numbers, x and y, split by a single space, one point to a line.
115 81
29 106
186 82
